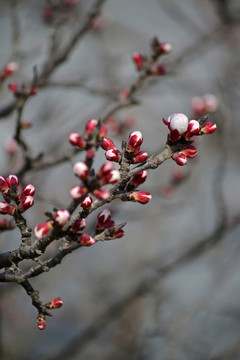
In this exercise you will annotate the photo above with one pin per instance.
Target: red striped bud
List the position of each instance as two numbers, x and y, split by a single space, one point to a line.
3 185
105 168
102 132
78 225
193 128
6 209
142 197
103 217
113 155
190 151
9 69
12 179
108 144
101 194
135 140
28 190
77 192
165 48
81 170
208 128
90 126
111 177
137 180
41 322
86 203
13 87
61 217
54 304
138 60
43 229
86 240
118 234
140 157
25 203
76 140
180 159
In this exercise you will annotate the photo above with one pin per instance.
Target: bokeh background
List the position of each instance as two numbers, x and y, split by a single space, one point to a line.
170 288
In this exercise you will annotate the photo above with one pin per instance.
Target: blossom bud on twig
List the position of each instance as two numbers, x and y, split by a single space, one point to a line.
78 225
193 128
113 155
208 128
9 69
142 197
90 126
103 217
25 203
180 159
178 122
111 177
118 234
190 151
3 185
81 170
28 190
140 157
61 217
104 169
13 87
77 192
43 229
86 203
54 304
137 180
86 240
41 322
12 179
6 209
138 59
76 140
135 140
108 144
101 194
165 48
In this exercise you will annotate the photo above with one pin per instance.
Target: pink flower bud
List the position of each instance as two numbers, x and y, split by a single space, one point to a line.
41 322
165 48
190 151
105 168
140 157
78 225
13 87
43 229
12 179
103 217
101 194
193 128
124 94
28 190
211 103
81 170
137 180
108 144
102 132
208 128
54 304
3 185
113 155
180 159
76 140
77 192
61 217
9 69
25 203
118 234
6 209
135 140
138 60
86 240
86 203
142 197
90 154
158 69
90 126
111 177
178 122
198 105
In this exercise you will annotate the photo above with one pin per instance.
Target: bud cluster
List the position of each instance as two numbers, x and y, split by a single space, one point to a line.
180 127
104 222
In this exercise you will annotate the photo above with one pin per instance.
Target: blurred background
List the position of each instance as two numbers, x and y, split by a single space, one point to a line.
170 288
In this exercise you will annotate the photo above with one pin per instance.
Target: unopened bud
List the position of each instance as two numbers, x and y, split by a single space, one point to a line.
113 155
108 144
208 128
140 157
81 170
193 127
118 234
61 217
86 203
41 322
54 304
138 60
103 217
105 168
101 194
178 122
76 140
28 190
142 197
25 203
190 151
12 179
3 185
111 177
9 69
77 192
90 126
86 240
43 229
137 180
6 209
135 140
13 87
78 225
165 48
180 159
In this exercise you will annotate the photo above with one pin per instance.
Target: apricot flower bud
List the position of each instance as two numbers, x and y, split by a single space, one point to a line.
101 194
190 151
12 179
78 225
86 203
180 159
25 203
118 234
108 144
41 322
208 128
61 217
137 180
6 209
3 185
140 157
111 177
193 127
113 155
135 140
90 126
86 240
165 48
28 190
43 229
138 60
142 197
103 217
105 168
178 122
77 192
54 304
81 170
76 140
